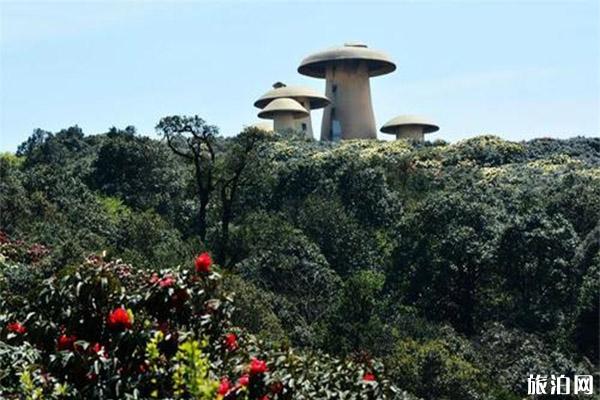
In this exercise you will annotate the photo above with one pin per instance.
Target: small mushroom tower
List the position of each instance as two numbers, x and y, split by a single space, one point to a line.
284 112
263 126
347 70
409 127
307 97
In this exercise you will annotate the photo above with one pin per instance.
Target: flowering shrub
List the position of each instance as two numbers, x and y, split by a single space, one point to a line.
203 262
17 328
105 329
120 319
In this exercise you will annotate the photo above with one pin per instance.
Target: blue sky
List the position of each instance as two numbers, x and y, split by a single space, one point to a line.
516 69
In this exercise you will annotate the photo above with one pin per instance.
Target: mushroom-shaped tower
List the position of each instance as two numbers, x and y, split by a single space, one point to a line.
283 112
410 127
307 97
347 71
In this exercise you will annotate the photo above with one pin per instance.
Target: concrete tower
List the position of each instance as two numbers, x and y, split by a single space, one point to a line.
409 127
284 112
307 97
347 71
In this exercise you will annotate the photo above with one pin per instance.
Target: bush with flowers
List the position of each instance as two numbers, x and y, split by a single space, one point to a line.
106 330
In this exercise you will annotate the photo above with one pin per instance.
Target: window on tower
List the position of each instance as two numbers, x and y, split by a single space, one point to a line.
336 130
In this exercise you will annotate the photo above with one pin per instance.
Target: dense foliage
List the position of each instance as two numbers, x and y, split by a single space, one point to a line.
449 271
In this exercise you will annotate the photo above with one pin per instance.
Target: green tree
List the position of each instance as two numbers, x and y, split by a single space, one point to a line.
357 325
445 258
535 255
140 171
14 201
233 165
283 261
586 325
436 369
43 147
194 140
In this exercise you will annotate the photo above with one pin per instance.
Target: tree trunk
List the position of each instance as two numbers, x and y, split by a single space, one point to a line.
225 221
204 189
202 216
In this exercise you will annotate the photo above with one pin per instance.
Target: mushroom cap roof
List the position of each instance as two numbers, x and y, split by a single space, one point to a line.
281 106
315 64
315 99
409 120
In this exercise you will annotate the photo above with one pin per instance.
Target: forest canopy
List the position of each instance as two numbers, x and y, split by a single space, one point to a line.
460 268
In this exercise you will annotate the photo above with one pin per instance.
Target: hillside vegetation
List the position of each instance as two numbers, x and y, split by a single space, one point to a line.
359 269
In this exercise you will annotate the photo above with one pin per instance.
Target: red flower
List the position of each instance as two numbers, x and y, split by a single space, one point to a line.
276 387
257 366
231 341
166 282
154 278
98 349
368 377
16 327
224 387
244 380
66 342
119 319
203 262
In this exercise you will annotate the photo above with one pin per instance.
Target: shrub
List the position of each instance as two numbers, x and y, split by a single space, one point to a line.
435 369
105 329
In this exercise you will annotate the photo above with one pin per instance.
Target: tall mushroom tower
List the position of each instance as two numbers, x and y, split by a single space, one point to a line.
347 70
307 97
